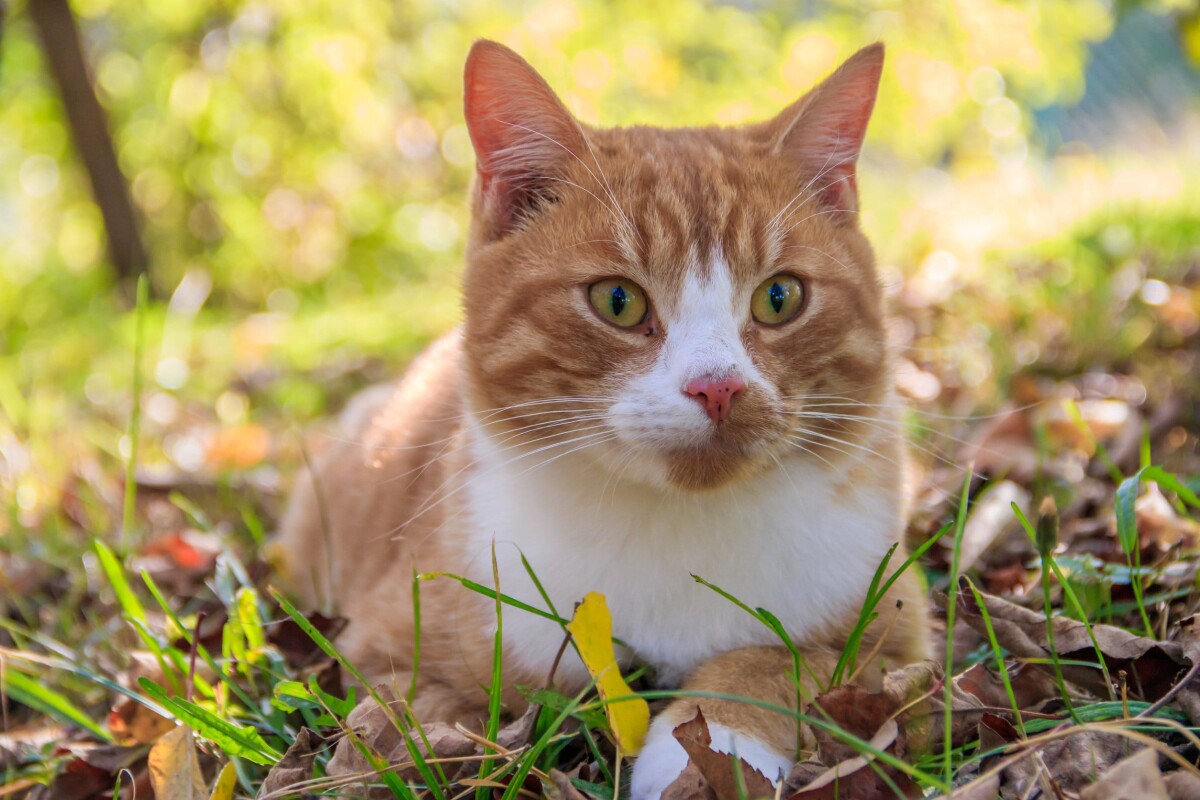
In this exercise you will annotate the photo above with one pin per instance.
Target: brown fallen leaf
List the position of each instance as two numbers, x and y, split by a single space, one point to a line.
132 722
374 727
1031 687
1135 778
1159 524
296 646
295 767
1151 666
856 777
80 780
561 788
992 525
690 785
1182 785
719 771
175 768
1071 762
985 787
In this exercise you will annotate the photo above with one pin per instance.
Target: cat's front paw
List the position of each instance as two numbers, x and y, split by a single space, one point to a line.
662 758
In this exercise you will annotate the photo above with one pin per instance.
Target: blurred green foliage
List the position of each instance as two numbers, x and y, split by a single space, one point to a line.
318 147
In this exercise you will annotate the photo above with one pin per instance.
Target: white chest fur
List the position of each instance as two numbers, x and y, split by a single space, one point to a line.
784 541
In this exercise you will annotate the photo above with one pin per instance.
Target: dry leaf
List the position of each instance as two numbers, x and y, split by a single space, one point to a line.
1031 686
984 788
1072 762
175 769
295 767
855 777
132 722
297 647
1158 522
718 770
80 780
561 788
690 785
992 524
1182 785
374 727
591 628
1135 778
1151 666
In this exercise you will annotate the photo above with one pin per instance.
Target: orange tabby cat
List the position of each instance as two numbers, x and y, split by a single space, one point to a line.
673 364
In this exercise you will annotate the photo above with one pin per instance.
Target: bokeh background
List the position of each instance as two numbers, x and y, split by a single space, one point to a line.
300 168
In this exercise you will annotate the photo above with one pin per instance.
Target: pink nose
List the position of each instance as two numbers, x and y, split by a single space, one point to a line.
715 394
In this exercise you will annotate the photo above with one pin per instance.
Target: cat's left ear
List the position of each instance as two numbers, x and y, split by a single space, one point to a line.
823 131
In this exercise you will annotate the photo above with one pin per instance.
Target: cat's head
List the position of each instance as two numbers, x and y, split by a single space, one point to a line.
677 304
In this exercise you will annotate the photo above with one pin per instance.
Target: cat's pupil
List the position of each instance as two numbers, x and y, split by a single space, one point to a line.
618 300
777 294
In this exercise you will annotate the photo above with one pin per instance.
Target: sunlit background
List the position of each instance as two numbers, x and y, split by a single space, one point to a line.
301 167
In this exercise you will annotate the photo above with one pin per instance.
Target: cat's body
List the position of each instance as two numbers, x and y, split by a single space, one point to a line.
681 426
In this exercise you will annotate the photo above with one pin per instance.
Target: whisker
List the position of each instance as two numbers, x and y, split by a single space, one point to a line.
855 445
426 507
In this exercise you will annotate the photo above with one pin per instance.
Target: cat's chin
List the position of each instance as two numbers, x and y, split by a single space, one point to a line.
704 469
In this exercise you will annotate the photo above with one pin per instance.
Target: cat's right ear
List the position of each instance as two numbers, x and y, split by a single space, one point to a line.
521 131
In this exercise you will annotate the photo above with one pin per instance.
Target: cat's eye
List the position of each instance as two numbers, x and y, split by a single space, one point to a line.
621 302
777 299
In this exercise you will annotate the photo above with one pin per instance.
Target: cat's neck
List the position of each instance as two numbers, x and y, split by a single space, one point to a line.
800 539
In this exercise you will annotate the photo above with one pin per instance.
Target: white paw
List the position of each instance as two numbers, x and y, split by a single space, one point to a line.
663 758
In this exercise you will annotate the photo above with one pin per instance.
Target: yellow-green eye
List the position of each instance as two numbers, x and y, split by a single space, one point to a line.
777 299
621 302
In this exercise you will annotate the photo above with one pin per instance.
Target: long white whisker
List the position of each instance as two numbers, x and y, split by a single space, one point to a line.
856 446
426 507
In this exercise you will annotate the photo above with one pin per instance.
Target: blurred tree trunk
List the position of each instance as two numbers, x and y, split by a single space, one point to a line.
89 127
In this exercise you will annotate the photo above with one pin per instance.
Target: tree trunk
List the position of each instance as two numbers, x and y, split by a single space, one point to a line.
89 127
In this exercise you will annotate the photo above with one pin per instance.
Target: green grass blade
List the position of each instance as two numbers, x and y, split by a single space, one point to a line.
487 591
40 697
1127 537
116 579
960 522
416 654
999 656
202 651
531 757
1127 495
1172 483
234 739
849 655
1069 593
495 693
133 608
327 647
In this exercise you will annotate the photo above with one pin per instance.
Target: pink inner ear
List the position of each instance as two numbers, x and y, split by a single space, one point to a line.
521 131
825 129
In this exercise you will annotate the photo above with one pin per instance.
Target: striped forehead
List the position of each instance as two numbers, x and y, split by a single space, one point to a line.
692 192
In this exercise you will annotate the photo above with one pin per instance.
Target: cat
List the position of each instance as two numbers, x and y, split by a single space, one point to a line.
673 363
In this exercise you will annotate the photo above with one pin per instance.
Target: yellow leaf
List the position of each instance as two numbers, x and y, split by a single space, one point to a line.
592 630
174 767
223 788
